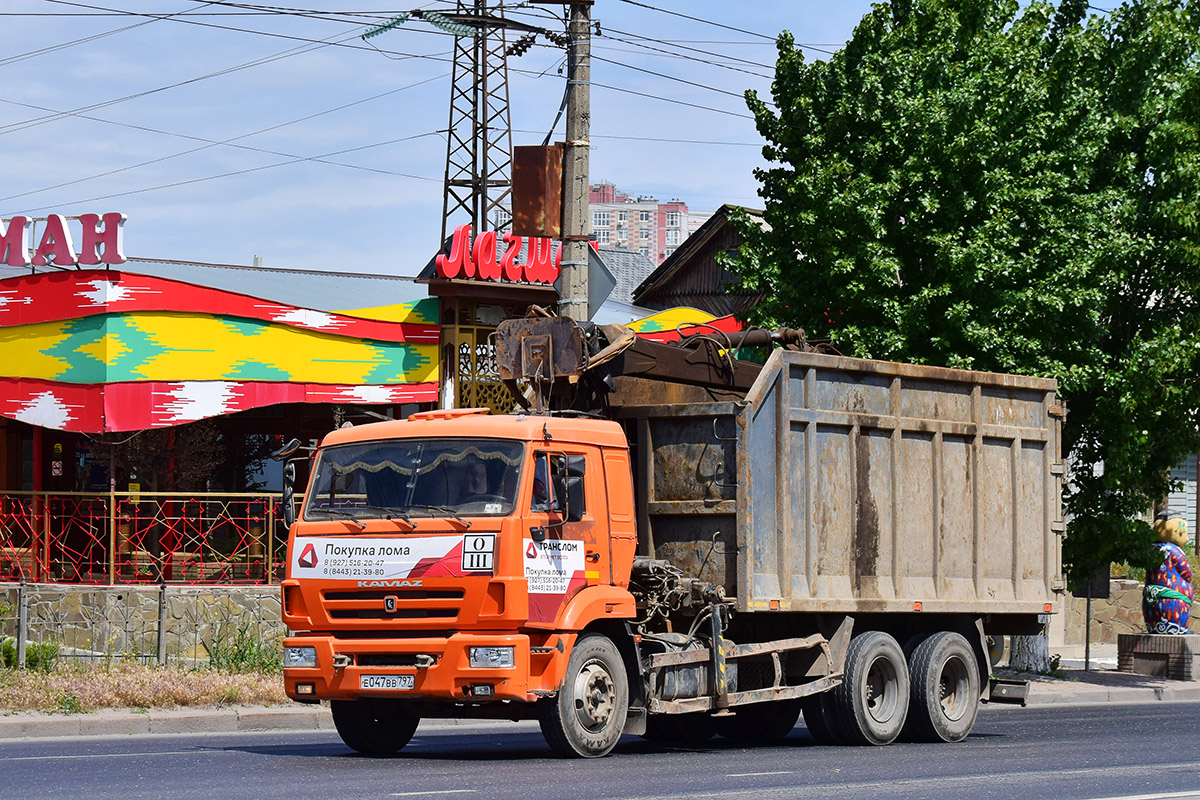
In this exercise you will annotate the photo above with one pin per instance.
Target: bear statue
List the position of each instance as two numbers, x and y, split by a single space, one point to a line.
1167 598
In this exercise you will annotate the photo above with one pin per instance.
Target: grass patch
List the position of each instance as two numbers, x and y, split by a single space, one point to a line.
78 688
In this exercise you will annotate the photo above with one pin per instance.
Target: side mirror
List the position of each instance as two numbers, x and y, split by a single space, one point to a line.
285 451
289 492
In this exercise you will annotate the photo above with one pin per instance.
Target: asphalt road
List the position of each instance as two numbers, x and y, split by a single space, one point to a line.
1077 753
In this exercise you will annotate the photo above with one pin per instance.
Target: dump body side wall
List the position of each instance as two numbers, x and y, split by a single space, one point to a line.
854 486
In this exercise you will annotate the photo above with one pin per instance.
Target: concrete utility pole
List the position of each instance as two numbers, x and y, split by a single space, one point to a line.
574 302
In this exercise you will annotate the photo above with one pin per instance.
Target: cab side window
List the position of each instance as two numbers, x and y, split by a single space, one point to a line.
558 484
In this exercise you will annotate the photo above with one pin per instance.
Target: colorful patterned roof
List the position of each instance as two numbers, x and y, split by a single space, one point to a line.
104 350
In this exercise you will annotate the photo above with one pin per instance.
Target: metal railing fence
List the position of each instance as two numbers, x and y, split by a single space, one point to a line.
144 537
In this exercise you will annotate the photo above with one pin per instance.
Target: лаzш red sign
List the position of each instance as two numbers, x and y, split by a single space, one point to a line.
482 260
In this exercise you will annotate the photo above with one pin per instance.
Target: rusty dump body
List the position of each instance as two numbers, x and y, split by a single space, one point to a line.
853 486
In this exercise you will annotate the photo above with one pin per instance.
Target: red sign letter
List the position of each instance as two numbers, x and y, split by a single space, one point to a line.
509 265
460 247
55 247
112 238
539 266
485 256
14 246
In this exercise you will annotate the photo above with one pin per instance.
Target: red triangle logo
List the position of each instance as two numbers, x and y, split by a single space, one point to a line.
531 551
308 556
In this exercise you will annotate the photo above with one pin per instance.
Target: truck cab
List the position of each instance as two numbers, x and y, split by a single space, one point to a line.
448 563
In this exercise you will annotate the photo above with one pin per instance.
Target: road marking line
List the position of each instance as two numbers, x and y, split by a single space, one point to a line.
1195 793
107 755
433 791
758 774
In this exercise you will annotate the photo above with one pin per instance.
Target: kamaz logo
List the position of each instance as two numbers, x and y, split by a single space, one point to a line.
386 584
389 604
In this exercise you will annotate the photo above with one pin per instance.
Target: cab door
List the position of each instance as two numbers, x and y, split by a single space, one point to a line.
563 551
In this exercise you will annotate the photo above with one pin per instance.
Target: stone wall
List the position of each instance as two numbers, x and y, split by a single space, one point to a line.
1120 613
122 622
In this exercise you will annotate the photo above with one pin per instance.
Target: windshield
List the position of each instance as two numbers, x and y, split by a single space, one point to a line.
402 478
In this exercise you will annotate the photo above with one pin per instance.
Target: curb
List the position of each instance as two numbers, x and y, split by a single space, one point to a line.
1044 693
125 723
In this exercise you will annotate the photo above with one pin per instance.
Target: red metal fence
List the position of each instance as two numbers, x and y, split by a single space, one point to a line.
121 537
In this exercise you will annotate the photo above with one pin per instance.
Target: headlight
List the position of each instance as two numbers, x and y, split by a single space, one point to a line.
299 657
492 657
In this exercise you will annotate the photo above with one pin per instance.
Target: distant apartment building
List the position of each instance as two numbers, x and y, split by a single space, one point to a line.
640 223
637 223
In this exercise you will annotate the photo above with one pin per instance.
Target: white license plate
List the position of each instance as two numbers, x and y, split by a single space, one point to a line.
395 682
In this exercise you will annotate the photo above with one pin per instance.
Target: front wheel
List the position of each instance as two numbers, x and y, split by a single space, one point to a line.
945 689
587 716
871 703
376 726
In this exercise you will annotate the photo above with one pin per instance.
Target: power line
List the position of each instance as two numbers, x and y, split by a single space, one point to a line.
668 77
617 35
698 19
721 25
210 143
94 37
669 100
681 56
308 47
247 171
661 139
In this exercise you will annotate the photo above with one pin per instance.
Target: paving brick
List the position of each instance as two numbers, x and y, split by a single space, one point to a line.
28 726
109 723
278 719
215 721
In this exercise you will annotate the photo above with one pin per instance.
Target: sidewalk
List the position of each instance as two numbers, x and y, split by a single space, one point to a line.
1077 687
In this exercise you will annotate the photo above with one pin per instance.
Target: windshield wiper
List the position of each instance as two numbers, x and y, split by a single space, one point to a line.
384 512
444 510
337 512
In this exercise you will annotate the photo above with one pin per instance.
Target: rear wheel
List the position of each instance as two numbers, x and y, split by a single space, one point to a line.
820 718
585 719
762 721
945 689
871 703
374 726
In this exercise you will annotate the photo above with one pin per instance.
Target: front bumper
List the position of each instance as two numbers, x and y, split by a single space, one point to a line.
440 668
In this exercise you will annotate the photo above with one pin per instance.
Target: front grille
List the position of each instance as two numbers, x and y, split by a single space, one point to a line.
387 659
404 604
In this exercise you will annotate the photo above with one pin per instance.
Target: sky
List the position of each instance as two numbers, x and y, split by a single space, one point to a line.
229 130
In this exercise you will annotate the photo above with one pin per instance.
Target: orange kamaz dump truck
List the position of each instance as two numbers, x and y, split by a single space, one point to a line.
685 545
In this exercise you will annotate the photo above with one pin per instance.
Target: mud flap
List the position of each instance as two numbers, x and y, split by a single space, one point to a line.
1004 690
635 721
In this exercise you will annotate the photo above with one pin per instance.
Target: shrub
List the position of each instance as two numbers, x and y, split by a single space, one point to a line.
39 656
243 652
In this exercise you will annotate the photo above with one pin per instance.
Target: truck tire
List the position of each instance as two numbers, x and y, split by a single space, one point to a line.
761 722
820 718
585 719
374 726
945 689
871 702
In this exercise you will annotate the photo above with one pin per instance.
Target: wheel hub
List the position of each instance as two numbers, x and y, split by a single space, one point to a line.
595 696
953 689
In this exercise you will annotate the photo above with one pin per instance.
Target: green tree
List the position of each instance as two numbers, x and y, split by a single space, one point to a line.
972 184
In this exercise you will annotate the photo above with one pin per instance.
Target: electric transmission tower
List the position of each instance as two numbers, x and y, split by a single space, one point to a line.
479 139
